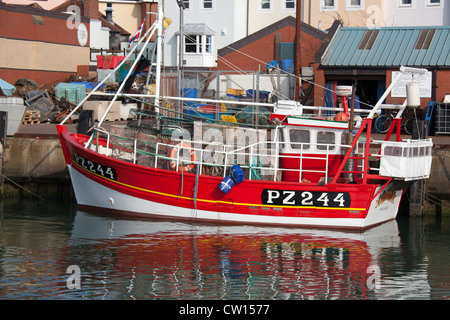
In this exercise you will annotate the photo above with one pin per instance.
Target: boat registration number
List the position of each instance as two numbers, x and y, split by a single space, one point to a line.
306 198
96 168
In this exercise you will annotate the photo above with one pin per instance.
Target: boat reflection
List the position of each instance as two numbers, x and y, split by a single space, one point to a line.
174 260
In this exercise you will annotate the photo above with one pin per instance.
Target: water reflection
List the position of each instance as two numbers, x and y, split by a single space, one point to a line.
142 259
135 259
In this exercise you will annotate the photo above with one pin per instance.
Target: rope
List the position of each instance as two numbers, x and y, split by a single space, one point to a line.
197 174
22 187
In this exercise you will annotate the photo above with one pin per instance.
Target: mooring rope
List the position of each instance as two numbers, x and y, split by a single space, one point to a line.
21 187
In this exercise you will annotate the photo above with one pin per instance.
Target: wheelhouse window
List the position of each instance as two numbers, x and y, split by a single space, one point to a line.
326 140
300 139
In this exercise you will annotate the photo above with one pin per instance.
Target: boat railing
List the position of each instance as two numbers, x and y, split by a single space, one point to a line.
406 159
259 160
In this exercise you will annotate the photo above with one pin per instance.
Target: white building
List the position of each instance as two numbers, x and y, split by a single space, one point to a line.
416 12
208 25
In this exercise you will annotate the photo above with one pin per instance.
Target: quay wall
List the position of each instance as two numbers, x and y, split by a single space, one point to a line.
38 165
35 166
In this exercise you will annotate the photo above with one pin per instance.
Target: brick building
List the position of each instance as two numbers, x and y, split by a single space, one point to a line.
40 45
274 42
371 57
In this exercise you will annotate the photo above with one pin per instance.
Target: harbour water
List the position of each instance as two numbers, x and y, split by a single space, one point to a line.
49 250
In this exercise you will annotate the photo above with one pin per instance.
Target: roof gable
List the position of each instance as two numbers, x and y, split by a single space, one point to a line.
288 21
389 47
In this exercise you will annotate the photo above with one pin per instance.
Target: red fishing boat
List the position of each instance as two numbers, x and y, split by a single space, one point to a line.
312 171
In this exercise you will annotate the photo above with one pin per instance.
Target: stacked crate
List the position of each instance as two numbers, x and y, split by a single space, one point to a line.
442 120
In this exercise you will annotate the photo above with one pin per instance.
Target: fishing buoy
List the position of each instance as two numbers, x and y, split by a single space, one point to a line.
237 174
412 95
341 116
226 184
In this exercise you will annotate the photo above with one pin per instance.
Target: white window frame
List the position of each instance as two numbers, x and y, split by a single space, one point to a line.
350 7
285 2
202 42
189 3
400 4
207 1
197 43
329 8
261 2
208 43
429 4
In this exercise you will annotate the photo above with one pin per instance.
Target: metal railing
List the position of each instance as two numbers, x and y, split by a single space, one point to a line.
260 160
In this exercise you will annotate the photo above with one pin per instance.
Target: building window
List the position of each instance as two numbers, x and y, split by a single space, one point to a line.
354 5
186 4
265 4
208 44
192 43
405 3
207 4
433 3
328 5
289 4
197 43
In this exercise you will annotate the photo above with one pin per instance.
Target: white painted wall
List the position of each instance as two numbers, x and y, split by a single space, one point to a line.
419 13
226 18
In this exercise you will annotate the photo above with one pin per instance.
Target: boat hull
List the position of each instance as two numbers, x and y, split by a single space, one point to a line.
102 183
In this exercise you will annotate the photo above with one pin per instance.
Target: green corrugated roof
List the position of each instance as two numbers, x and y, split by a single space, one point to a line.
393 46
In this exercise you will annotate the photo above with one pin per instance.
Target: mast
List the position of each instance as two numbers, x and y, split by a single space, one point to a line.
298 38
158 55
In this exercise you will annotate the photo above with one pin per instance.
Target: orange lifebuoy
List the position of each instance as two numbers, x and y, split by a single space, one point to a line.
173 155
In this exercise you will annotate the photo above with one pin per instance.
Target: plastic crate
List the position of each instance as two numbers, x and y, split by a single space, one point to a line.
442 118
237 93
72 92
109 61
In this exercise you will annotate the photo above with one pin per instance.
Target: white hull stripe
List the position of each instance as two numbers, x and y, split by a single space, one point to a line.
92 194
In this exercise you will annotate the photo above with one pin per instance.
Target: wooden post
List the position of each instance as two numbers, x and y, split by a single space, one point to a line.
3 134
416 191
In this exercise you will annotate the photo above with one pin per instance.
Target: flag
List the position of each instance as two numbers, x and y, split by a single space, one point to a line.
137 34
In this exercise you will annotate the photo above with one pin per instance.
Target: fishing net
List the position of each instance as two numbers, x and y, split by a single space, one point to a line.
194 146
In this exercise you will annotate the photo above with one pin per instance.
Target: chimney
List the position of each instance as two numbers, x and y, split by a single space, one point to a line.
91 9
109 11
